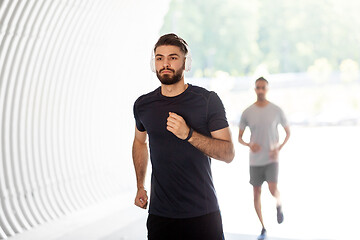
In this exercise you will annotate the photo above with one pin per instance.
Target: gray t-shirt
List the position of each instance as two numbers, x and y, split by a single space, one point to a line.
263 123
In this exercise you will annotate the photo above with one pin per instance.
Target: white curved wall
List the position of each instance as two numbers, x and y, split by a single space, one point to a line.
69 73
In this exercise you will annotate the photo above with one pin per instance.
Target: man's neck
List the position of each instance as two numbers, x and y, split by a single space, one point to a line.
173 89
261 103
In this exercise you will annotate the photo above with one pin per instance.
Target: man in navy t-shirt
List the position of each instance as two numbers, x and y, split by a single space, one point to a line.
186 126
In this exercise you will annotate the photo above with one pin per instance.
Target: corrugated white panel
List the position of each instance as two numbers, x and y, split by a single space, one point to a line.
69 73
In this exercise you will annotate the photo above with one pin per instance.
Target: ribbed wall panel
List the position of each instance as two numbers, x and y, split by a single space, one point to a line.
69 72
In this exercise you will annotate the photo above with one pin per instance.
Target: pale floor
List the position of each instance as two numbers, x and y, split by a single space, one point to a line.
318 185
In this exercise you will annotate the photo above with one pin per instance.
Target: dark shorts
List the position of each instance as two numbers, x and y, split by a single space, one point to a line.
206 227
268 173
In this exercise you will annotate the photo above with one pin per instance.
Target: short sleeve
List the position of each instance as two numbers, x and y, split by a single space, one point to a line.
283 120
243 122
138 122
216 113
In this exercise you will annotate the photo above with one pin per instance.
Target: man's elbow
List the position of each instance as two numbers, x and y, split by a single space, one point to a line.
230 156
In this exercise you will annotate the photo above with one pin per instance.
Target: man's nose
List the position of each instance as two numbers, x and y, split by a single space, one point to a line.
166 63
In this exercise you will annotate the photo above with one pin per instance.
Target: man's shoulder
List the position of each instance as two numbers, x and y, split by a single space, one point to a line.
198 89
249 108
201 91
269 106
274 106
147 96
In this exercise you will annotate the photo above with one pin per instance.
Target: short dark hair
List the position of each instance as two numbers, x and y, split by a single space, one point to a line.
261 79
173 40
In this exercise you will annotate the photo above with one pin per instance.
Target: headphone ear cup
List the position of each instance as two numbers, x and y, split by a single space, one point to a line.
152 61
152 65
188 62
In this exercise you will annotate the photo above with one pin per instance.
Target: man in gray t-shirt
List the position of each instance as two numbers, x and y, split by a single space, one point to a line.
263 118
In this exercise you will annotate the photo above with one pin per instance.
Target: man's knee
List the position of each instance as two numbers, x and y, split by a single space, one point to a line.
273 188
257 193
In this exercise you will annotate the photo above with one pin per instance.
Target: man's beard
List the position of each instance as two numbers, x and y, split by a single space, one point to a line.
166 79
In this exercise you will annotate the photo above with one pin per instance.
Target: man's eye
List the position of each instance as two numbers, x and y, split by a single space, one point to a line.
174 58
158 59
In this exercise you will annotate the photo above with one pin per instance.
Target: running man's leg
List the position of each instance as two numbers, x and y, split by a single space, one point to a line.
257 177
272 173
207 227
275 192
257 203
271 176
162 228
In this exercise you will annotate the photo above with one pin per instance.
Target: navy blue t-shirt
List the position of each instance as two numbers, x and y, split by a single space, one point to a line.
181 179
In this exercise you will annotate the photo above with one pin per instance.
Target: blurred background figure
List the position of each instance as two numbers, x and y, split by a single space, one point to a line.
263 118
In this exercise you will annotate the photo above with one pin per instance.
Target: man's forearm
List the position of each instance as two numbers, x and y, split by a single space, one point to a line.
287 131
140 159
215 148
243 142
